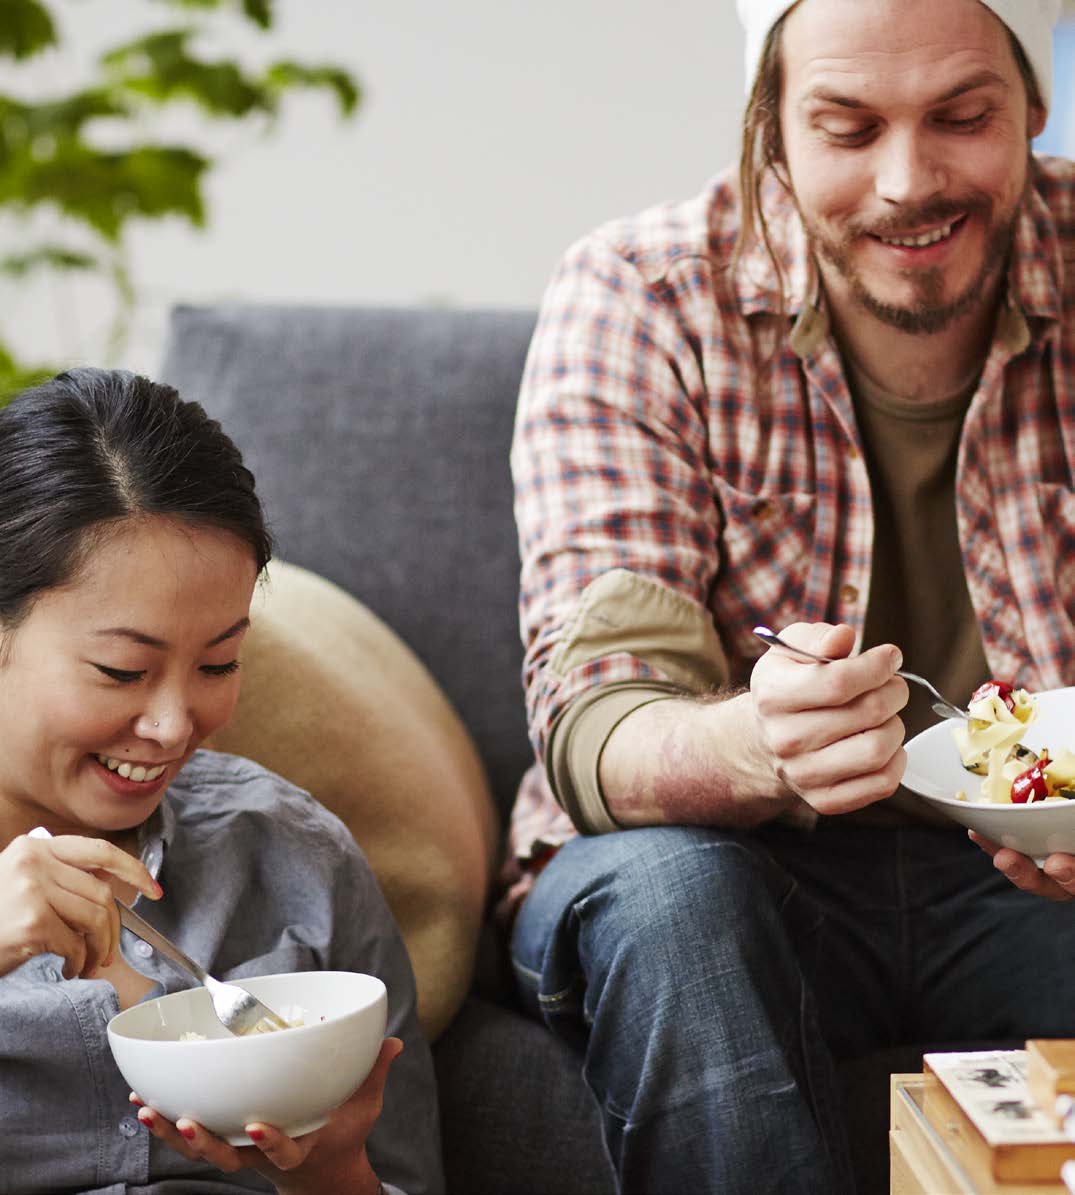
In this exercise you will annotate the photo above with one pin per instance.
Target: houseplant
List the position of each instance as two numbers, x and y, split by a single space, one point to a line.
73 196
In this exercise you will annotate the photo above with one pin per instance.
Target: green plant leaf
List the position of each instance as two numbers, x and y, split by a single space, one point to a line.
286 74
258 11
26 28
158 68
54 257
32 132
68 115
106 190
16 376
47 159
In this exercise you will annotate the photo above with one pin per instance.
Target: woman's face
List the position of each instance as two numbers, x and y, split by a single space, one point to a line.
111 682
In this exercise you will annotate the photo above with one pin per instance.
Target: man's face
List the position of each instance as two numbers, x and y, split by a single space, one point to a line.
905 127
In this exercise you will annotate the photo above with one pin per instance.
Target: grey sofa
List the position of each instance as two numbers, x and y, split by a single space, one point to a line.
380 442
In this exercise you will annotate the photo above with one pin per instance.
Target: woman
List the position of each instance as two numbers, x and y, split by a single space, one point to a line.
131 540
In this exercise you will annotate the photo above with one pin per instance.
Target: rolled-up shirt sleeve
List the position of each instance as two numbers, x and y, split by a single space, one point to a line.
619 530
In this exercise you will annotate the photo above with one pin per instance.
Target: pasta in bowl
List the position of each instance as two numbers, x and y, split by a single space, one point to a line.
1041 737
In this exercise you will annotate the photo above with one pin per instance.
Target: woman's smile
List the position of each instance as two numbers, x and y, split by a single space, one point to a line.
129 777
111 682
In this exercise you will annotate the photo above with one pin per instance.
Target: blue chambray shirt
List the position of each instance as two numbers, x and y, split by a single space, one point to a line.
258 878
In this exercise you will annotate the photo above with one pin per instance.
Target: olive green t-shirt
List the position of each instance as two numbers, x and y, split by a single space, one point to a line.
918 591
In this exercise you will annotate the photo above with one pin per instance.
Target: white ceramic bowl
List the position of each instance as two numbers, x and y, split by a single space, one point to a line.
291 1079
934 771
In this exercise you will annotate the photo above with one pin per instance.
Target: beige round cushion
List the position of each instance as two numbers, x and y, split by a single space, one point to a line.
334 701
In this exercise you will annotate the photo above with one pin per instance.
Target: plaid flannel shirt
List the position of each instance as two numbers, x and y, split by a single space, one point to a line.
675 424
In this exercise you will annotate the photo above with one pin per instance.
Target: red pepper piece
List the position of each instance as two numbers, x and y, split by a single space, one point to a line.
995 688
1030 785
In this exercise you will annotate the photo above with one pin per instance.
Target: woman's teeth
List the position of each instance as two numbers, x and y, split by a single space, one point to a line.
124 769
920 242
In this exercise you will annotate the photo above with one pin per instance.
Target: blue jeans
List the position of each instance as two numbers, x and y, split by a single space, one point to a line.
710 978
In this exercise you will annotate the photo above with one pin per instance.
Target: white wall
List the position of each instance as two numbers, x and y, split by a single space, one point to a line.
493 132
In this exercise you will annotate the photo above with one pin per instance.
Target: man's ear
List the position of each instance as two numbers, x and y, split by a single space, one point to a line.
1036 118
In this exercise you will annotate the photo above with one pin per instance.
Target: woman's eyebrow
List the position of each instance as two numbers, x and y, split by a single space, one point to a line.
985 78
231 632
145 640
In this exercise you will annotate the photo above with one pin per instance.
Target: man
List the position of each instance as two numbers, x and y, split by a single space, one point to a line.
836 396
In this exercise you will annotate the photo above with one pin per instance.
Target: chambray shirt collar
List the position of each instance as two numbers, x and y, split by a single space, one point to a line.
155 835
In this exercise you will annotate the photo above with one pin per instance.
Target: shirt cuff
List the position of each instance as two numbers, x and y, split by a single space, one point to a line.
577 740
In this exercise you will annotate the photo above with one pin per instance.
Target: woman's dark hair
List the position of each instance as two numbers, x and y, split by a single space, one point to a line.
94 447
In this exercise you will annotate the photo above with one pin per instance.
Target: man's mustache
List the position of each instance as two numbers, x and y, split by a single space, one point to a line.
940 211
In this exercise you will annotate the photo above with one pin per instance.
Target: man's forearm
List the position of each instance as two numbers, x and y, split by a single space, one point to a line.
690 762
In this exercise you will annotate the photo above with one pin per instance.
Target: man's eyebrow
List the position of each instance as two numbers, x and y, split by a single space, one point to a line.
151 641
985 78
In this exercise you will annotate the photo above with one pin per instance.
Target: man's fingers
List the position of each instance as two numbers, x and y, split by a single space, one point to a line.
1025 874
1061 870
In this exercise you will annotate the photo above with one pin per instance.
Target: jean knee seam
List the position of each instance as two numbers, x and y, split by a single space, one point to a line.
552 1000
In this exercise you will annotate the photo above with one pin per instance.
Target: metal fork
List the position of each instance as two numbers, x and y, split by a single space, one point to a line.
942 707
238 1010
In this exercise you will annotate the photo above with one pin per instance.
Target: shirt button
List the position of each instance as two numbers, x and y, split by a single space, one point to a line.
849 594
852 452
128 1126
143 948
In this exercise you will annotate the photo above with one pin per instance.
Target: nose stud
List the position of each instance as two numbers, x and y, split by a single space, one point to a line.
156 724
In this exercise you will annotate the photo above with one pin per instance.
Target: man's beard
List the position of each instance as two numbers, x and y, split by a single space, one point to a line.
928 312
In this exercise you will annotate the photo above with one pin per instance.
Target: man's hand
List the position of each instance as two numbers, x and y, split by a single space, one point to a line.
1054 880
832 732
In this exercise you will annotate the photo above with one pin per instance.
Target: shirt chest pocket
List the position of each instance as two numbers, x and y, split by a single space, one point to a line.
767 545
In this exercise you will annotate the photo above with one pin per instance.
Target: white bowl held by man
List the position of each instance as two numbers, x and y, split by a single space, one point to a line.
935 772
290 1078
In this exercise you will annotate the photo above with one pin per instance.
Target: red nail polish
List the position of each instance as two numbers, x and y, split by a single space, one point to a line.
187 1132
146 1118
255 1134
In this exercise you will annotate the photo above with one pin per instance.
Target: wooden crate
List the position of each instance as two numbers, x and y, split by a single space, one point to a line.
934 1155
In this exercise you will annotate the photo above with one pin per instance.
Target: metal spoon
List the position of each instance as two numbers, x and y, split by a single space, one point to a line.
942 707
238 1011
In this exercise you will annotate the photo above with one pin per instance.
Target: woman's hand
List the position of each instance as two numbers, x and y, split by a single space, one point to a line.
1054 880
332 1158
831 732
57 900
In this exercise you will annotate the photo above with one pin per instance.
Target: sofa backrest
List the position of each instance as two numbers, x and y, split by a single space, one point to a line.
379 439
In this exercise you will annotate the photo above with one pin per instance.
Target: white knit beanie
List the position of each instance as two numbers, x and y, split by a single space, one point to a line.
1031 21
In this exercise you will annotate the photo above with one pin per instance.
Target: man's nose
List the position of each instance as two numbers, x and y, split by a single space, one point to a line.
908 170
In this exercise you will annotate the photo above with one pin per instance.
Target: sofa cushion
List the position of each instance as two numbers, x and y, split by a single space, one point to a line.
334 701
379 439
516 1115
